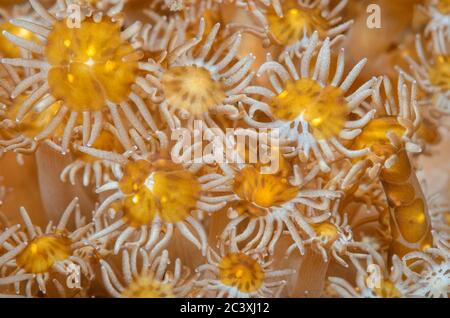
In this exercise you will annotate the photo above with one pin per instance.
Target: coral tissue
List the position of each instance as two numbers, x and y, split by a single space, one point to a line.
224 148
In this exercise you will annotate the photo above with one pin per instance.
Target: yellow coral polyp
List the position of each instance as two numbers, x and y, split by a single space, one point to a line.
444 6
439 73
192 88
324 108
43 252
163 188
296 23
261 191
327 231
148 287
7 48
241 272
89 65
134 175
139 208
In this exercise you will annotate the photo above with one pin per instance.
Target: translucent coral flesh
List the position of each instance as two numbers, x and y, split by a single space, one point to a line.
88 65
100 141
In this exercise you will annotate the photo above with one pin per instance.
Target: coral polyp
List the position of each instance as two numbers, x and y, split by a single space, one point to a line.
324 107
21 136
156 279
310 109
242 272
225 149
75 66
290 24
94 65
432 75
8 48
39 257
202 77
265 203
168 192
43 252
262 190
295 23
236 274
156 198
192 89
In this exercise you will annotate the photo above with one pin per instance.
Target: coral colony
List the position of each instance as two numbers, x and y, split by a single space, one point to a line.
224 148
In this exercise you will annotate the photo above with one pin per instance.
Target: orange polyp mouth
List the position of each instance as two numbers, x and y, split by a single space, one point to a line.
323 108
192 88
164 189
327 231
89 65
262 191
42 253
241 272
295 24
